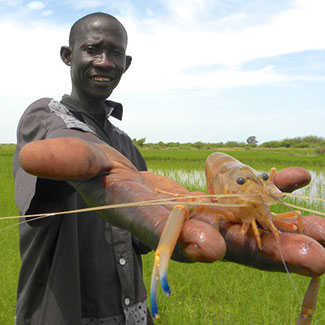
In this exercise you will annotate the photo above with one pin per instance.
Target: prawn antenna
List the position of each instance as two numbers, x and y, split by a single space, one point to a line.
164 201
287 270
304 197
290 205
275 233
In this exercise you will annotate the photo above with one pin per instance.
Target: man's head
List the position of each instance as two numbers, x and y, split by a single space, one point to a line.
96 55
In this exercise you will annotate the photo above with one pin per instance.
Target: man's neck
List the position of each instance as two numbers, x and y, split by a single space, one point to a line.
91 105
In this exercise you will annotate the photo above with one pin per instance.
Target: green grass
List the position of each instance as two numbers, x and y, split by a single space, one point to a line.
9 249
218 293
227 293
257 158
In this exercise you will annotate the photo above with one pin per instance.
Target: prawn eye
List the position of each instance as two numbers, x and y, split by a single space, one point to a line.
265 176
240 180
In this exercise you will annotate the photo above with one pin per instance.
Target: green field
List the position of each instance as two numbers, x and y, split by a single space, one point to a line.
218 293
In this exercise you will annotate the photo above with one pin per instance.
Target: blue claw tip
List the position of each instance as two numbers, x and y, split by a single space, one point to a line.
165 286
154 305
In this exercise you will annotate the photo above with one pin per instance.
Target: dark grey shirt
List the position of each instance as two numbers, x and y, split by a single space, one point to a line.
76 268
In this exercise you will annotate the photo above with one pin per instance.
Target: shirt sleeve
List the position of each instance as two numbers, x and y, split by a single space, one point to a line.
33 194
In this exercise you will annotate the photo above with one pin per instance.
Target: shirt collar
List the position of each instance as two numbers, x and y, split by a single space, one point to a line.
114 109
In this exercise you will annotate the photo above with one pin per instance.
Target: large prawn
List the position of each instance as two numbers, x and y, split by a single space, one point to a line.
248 196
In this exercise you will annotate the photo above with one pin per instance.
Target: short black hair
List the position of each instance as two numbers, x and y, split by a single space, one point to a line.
76 26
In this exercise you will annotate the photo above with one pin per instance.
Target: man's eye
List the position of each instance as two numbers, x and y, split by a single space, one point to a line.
116 52
91 49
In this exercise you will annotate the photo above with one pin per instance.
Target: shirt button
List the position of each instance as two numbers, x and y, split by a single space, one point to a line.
127 301
122 261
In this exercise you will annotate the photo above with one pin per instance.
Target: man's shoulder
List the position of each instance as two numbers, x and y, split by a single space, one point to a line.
37 108
40 103
38 121
47 108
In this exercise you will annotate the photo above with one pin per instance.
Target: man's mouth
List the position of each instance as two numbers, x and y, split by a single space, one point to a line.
101 79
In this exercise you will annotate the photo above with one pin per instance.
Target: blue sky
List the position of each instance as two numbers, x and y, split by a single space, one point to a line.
202 70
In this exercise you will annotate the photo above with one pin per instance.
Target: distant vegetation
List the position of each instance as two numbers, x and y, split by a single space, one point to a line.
311 141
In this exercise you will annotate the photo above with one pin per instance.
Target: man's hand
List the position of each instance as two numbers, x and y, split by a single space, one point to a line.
104 176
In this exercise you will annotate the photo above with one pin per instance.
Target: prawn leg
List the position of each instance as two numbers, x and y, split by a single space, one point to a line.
309 303
163 253
291 214
257 234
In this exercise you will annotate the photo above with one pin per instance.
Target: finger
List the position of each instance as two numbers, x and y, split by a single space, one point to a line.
302 254
63 159
201 242
313 226
292 178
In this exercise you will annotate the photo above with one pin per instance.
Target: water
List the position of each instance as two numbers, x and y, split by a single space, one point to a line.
315 189
193 179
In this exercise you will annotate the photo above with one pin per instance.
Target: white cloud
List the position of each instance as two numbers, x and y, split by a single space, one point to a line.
46 13
11 3
184 9
36 5
34 66
86 4
31 70
164 52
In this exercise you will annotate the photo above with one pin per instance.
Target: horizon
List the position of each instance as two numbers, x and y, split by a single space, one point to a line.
258 143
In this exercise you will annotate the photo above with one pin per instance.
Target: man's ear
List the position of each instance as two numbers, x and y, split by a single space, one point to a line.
128 60
65 54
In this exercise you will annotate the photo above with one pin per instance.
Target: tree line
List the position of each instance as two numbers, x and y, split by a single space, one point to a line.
251 142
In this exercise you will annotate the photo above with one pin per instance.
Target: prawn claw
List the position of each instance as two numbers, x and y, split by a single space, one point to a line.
163 253
153 291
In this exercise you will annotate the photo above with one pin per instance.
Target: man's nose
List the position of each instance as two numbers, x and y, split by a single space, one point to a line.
104 61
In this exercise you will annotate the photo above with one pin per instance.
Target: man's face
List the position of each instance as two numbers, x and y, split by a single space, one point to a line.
98 59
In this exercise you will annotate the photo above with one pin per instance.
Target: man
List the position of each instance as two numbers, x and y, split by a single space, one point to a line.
78 268
83 268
